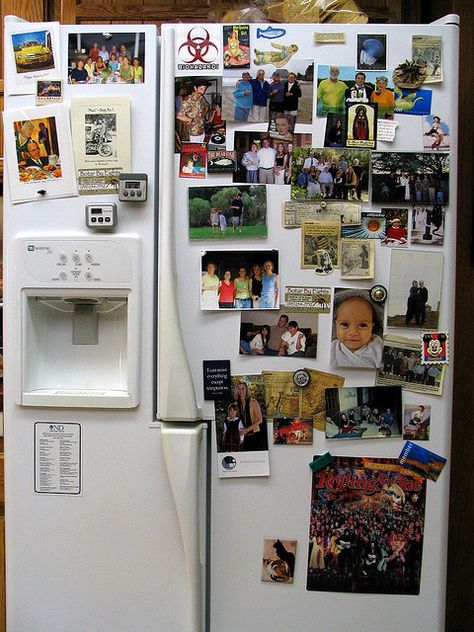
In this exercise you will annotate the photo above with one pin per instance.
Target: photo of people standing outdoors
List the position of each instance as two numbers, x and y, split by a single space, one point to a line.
330 173
415 302
197 108
255 97
227 212
263 159
415 178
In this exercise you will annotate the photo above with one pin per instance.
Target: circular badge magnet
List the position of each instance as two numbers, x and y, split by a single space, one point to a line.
378 293
301 377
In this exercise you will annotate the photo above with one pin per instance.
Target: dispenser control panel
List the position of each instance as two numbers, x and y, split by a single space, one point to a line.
75 261
101 216
133 187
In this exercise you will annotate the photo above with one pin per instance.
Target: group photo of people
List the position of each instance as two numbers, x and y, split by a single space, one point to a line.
406 366
263 159
366 543
257 99
410 178
367 412
339 86
106 58
240 280
241 424
227 212
330 174
281 336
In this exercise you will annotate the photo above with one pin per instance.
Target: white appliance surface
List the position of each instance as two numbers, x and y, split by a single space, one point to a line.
111 558
245 511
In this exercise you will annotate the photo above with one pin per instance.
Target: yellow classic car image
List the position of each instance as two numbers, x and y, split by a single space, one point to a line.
32 54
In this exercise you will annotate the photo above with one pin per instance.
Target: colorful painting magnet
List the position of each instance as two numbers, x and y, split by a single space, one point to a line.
278 57
320 461
416 102
435 347
421 461
236 46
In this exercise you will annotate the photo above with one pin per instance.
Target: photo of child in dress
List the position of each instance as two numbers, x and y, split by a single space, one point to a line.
357 329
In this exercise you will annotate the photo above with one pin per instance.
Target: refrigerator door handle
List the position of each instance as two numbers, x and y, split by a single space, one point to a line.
181 449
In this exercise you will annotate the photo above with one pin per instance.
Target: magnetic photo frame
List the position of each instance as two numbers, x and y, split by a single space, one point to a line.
216 263
31 53
108 46
33 172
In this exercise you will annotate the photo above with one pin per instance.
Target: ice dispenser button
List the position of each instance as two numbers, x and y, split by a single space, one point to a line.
62 258
76 258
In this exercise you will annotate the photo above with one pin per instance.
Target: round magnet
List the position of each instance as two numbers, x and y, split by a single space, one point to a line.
323 204
301 377
378 293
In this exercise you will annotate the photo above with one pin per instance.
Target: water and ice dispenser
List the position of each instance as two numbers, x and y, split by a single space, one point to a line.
80 329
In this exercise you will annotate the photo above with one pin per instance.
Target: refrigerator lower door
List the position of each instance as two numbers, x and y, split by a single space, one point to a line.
183 455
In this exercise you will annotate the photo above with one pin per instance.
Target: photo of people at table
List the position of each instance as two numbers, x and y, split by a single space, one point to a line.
106 58
256 96
37 149
234 279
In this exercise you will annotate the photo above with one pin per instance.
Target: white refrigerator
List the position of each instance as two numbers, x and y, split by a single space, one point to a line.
122 522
